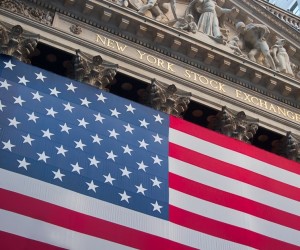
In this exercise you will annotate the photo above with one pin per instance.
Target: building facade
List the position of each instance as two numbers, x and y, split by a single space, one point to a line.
232 66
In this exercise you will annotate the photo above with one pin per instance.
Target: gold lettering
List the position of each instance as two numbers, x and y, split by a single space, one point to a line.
170 65
121 47
141 54
102 39
263 104
238 94
247 97
221 87
256 102
281 111
213 84
272 108
110 43
187 73
160 63
290 115
201 79
153 59
297 118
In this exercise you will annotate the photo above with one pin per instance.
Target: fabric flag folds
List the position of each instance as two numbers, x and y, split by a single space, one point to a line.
83 169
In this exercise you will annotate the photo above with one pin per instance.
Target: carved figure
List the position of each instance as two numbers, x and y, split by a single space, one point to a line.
187 24
281 57
159 8
210 12
252 37
234 45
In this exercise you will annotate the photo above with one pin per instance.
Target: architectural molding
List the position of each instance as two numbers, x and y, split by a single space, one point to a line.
234 124
93 71
167 98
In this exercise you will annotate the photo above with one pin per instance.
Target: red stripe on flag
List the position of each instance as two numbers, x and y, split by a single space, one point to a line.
233 201
82 223
226 231
13 242
229 143
234 172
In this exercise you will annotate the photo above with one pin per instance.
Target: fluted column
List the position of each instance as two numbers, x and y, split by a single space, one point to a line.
17 43
234 124
167 98
93 70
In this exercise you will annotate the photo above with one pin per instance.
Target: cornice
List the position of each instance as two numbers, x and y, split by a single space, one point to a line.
111 17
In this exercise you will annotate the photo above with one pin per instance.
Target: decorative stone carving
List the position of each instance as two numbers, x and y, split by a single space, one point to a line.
75 29
187 24
281 57
167 99
288 146
234 124
252 38
16 43
211 18
155 8
43 16
234 45
93 71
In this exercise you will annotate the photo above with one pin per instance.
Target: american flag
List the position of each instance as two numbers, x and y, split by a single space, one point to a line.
83 169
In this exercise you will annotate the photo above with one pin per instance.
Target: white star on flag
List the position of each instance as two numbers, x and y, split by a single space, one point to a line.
156 160
32 117
54 91
19 100
40 76
65 128
23 80
51 112
23 163
82 122
113 133
43 157
125 172
37 96
76 168
130 108
125 197
156 182
9 65
2 106
142 166
158 118
79 144
5 84
8 145
143 123
109 179
143 144
99 118
13 122
28 139
101 97
157 138
156 207
92 186
94 161
127 149
115 113
96 139
71 87
111 155
47 133
58 175
128 128
141 189
61 150
84 102
68 107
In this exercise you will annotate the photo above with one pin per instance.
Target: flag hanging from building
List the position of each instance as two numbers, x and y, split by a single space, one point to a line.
83 169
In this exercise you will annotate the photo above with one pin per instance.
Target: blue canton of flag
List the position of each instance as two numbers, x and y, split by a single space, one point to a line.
81 138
